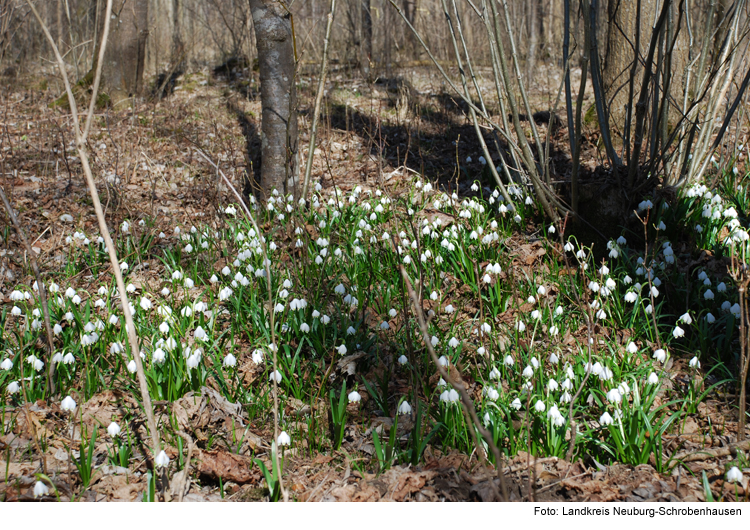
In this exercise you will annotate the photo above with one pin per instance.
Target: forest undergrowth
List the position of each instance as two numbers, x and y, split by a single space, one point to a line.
603 370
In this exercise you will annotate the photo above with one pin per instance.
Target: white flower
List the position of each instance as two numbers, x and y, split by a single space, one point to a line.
520 326
552 385
132 367
275 375
631 297
516 404
6 365
660 355
678 332
113 429
733 475
540 406
686 319
605 419
68 404
284 439
13 387
722 287
708 295
508 360
325 319
694 363
541 290
614 396
404 408
38 365
354 397
735 310
403 360
40 489
161 460
453 343
528 371
230 361
652 378
594 286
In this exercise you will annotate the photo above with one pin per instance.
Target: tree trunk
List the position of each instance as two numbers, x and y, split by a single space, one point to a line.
122 72
275 43
366 42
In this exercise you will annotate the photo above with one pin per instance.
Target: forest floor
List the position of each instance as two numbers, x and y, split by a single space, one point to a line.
147 164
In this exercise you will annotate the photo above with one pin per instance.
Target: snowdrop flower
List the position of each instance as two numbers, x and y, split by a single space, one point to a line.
132 367
686 319
552 385
113 429
494 373
553 358
354 397
652 378
230 361
594 286
325 319
601 314
605 419
708 295
453 343
528 372
508 361
159 355
392 313
275 376
164 327
161 460
614 396
38 365
722 287
733 475
6 365
540 406
492 394
193 361
68 404
694 363
536 314
57 329
200 334
735 310
631 297
520 326
541 290
16 311
678 332
568 247
516 404
553 331
40 489
660 355
13 387
404 408
632 348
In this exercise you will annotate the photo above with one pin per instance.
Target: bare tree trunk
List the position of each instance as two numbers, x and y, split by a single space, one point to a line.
533 16
276 58
366 42
125 58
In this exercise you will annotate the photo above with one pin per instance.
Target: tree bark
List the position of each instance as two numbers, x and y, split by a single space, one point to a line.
122 71
277 64
366 42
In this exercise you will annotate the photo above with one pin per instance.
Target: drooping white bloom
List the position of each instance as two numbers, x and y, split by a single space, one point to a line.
354 397
539 406
132 367
113 429
6 365
632 348
652 378
68 404
40 489
275 375
161 460
404 408
708 295
694 363
605 419
230 361
614 396
734 475
508 360
660 355
678 332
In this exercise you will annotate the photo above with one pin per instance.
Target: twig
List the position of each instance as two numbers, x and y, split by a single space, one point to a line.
465 398
318 100
40 285
274 349
103 228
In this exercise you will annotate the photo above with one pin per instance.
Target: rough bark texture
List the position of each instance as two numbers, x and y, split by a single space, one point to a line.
366 42
618 61
123 67
279 157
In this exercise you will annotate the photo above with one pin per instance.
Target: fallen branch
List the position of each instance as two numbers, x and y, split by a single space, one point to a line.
707 454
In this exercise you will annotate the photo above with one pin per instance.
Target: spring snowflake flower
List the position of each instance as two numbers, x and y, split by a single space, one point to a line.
40 489
68 404
539 406
552 385
528 372
678 332
605 419
161 460
694 363
520 326
404 408
342 349
614 396
734 475
632 348
686 319
494 373
554 330
508 361
652 378
516 404
275 376
230 361
325 319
